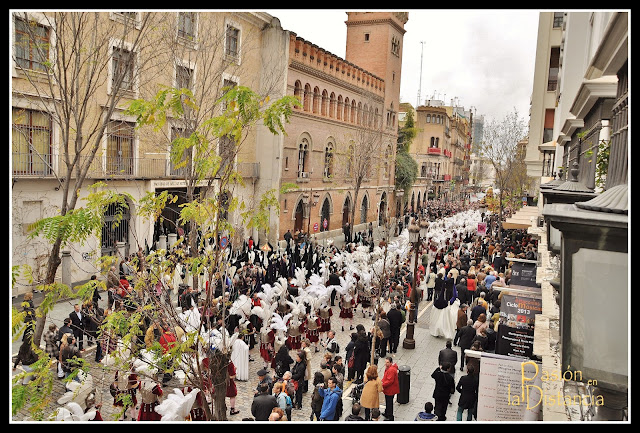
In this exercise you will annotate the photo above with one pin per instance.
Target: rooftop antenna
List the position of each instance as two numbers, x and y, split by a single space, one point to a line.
420 86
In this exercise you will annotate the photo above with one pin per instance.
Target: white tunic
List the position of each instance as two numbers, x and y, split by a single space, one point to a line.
240 358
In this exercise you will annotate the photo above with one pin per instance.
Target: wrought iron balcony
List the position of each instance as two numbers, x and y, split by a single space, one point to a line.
36 166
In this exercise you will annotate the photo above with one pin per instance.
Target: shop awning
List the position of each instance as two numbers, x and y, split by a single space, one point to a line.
524 218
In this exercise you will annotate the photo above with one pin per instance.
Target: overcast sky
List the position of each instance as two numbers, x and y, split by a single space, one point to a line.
484 58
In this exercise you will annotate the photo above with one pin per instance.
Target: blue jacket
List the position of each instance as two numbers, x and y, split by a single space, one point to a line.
329 403
423 416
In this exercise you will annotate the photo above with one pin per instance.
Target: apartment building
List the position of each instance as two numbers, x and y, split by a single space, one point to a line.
441 149
122 56
348 114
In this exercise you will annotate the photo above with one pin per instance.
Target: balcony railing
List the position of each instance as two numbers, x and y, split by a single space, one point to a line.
434 151
28 165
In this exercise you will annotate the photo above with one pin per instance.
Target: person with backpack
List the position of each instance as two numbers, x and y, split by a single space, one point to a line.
283 400
282 361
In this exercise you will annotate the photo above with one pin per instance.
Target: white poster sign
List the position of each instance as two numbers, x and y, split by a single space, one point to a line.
510 389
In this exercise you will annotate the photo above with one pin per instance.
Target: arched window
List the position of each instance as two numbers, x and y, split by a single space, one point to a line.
364 209
359 118
332 105
353 111
387 160
328 160
316 100
347 106
375 119
437 141
325 102
350 155
428 118
339 108
297 92
307 97
303 154
433 142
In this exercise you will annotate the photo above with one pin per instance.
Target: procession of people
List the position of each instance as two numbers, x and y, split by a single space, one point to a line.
279 301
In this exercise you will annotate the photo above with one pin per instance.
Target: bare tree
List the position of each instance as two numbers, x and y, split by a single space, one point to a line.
81 54
500 147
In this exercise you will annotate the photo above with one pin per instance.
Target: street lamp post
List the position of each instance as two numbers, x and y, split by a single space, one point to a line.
312 201
416 233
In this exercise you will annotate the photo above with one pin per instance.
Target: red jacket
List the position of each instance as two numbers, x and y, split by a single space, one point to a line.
167 341
390 385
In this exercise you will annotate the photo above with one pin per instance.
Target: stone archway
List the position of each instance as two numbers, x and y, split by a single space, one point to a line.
346 210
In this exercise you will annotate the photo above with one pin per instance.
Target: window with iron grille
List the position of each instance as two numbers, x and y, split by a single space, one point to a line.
120 140
123 63
31 45
233 35
558 17
183 77
31 142
187 25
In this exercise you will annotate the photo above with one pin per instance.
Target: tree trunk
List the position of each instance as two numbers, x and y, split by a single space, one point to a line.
52 267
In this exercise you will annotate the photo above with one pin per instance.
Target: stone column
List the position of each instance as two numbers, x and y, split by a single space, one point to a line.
66 268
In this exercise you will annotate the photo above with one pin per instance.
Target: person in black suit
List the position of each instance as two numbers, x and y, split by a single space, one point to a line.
448 355
445 386
468 389
78 322
465 340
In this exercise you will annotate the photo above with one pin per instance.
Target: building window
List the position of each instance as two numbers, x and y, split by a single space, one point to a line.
328 161
428 118
308 97
232 43
31 142
558 17
554 68
286 163
303 154
297 91
31 45
395 46
120 140
123 66
187 25
350 157
184 76
366 37
547 162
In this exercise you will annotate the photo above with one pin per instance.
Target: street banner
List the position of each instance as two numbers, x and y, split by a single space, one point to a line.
516 324
523 274
482 229
509 389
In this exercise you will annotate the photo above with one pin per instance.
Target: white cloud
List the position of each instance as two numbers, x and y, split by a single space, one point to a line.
484 58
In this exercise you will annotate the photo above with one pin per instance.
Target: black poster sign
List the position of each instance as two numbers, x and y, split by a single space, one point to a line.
516 324
523 274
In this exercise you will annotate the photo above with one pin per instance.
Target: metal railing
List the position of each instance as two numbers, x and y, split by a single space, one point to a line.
31 165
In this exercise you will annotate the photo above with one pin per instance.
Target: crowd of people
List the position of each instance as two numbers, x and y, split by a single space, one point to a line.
280 301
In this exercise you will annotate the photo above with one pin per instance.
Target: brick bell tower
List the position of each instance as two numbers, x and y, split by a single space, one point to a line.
374 42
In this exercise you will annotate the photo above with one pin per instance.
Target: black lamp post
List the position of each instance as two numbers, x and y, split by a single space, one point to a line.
416 233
